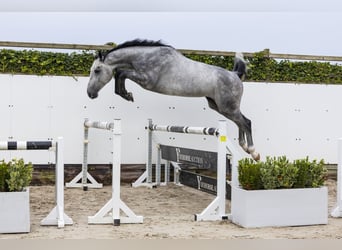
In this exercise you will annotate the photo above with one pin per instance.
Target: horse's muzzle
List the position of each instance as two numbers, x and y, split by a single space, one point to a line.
92 95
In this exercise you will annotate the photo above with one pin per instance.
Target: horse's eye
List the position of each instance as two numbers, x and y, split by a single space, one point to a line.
97 70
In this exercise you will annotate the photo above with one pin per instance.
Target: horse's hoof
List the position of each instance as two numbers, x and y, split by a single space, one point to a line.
256 156
129 97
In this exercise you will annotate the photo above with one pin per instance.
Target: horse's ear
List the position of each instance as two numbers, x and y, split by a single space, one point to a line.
98 55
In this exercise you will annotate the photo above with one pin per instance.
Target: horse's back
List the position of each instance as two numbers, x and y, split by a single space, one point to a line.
186 77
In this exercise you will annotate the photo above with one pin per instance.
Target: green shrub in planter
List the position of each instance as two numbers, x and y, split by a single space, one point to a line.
310 174
3 176
279 172
249 174
269 173
288 176
15 175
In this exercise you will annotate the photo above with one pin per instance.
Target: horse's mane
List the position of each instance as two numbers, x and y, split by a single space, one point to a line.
140 42
135 43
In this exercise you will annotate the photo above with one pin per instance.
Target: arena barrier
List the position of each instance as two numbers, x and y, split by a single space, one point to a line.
193 162
110 212
337 211
217 208
57 215
84 175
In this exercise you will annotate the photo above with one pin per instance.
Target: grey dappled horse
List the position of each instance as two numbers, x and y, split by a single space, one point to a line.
161 68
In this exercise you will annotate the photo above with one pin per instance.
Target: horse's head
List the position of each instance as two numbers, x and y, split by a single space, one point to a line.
100 75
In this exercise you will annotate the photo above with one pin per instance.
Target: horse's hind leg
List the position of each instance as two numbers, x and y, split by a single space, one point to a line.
212 104
245 129
242 140
245 132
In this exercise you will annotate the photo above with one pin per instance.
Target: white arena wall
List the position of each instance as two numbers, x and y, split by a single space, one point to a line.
296 120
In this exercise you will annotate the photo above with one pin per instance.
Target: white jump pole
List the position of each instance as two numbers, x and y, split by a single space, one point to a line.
110 212
337 211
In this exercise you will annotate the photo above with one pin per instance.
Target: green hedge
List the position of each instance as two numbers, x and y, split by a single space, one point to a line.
34 62
261 68
264 69
271 70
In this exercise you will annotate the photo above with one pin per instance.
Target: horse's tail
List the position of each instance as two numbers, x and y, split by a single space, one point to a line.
240 67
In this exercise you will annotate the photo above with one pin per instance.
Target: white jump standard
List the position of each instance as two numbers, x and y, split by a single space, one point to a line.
217 208
84 176
110 212
56 217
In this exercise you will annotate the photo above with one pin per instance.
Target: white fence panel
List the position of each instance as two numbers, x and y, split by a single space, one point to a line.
296 120
30 111
5 103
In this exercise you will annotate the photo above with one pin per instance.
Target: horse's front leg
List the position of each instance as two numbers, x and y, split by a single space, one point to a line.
140 78
120 88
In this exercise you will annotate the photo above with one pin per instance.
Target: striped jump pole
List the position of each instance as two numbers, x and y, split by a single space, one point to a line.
26 145
56 217
185 129
110 213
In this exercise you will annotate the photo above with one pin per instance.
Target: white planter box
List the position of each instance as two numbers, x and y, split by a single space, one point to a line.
15 212
279 207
